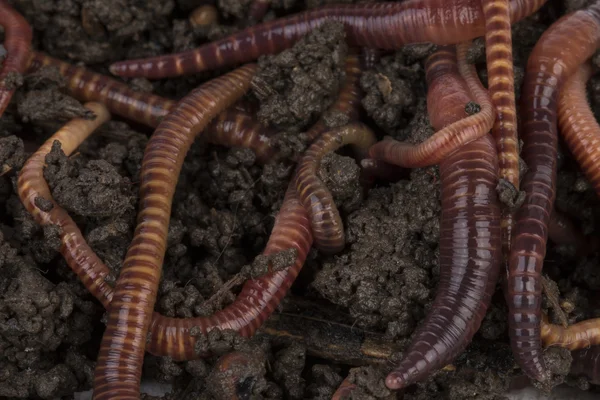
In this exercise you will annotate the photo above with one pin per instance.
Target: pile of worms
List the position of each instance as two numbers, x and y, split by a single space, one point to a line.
483 241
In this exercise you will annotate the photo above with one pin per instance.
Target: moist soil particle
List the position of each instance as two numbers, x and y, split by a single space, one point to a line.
224 208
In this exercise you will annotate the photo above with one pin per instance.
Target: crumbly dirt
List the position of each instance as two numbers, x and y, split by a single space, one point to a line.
380 286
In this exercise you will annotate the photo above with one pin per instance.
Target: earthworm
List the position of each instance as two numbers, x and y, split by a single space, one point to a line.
561 49
574 337
119 366
344 391
258 9
204 15
326 223
233 128
387 25
17 42
578 126
32 185
470 236
348 100
449 138
587 363
235 374
168 336
120 99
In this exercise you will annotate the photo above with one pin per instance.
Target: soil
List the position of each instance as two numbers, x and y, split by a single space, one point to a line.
381 286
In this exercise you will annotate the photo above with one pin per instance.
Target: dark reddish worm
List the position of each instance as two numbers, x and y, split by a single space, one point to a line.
562 231
326 223
168 336
258 9
587 363
387 25
119 367
578 126
557 55
470 236
450 137
120 99
17 42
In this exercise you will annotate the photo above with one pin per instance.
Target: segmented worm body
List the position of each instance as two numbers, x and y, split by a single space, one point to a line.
121 354
326 223
120 99
233 128
578 126
449 138
17 42
587 363
574 337
559 52
387 25
470 236
32 185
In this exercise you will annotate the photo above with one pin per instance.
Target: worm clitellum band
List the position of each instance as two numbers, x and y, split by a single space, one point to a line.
376 25
470 236
559 52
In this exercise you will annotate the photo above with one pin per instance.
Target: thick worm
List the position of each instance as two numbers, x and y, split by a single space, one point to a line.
557 55
120 99
578 126
326 223
32 185
587 363
119 367
387 25
449 138
233 128
17 42
470 236
348 100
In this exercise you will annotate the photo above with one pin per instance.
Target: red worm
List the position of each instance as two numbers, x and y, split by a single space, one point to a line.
233 128
450 137
120 99
168 336
388 25
577 336
348 100
119 367
326 223
557 55
578 126
587 363
17 42
470 236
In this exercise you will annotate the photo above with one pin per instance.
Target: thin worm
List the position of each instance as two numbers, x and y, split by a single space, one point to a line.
470 237
235 374
574 337
348 100
85 85
204 15
587 363
233 128
557 55
387 25
326 223
344 391
119 366
449 138
578 126
17 42
32 185
168 336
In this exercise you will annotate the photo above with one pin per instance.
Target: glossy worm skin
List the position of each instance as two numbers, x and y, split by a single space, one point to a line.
120 99
578 126
470 239
574 337
559 52
17 42
587 363
326 223
348 100
387 25
233 128
449 138
31 185
119 367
